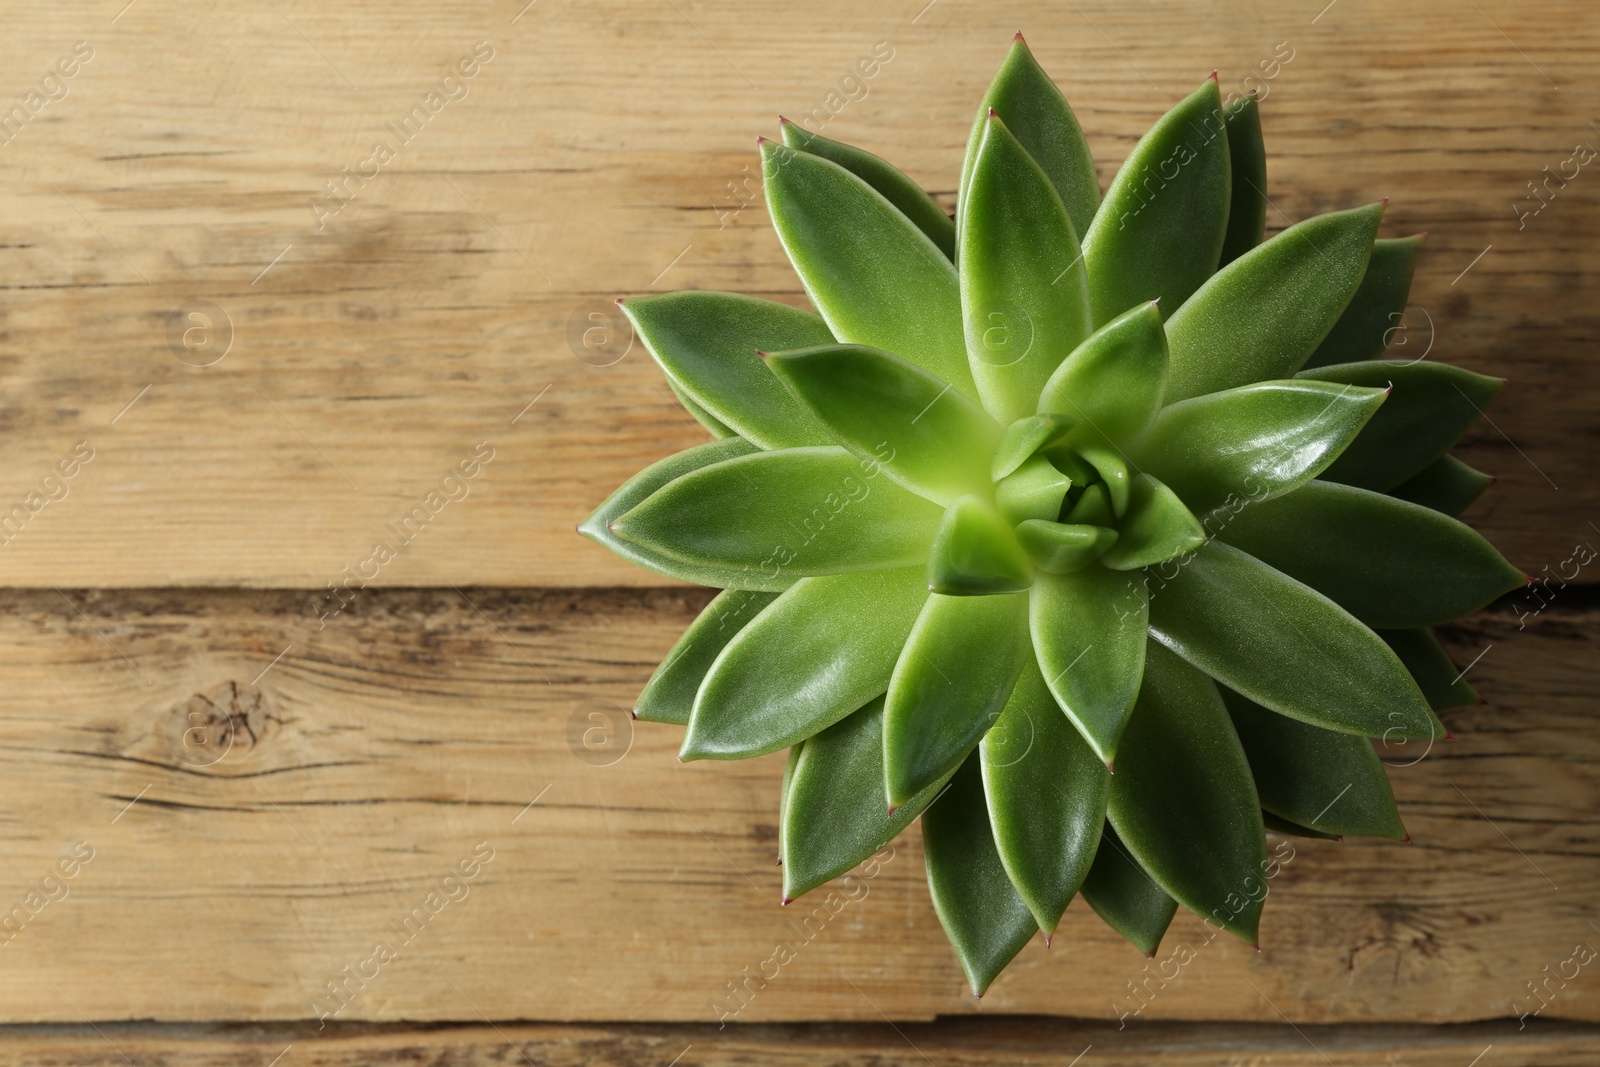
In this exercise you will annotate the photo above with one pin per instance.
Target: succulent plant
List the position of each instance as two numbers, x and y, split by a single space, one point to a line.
1093 530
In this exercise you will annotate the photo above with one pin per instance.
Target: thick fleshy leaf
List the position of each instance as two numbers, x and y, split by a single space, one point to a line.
784 514
885 177
1253 443
876 279
1431 406
1062 548
817 653
1446 485
887 410
982 915
1047 798
1441 682
783 791
1157 527
1112 465
1262 315
834 817
1286 646
1278 824
1315 778
1025 437
1183 800
1388 562
714 426
1127 898
1089 634
597 527
1036 490
706 343
1247 204
1374 313
1024 290
1093 508
975 553
669 695
1031 106
1158 234
952 680
1112 383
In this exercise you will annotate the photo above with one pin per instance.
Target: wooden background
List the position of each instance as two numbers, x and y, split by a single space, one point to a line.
606 149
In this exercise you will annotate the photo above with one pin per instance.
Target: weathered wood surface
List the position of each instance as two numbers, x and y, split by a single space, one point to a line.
235 872
604 150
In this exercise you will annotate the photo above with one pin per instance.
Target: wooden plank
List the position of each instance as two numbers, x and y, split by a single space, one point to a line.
605 150
236 873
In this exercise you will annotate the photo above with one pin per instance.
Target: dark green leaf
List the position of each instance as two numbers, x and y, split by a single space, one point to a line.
1183 800
1264 313
783 791
1446 485
1062 548
817 653
1157 527
1388 562
1112 382
1374 313
1441 683
1089 634
1035 490
1247 205
1286 646
1127 898
715 426
669 695
975 553
951 682
1278 824
1025 437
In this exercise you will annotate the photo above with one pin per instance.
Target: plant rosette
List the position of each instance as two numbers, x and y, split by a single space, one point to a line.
1062 485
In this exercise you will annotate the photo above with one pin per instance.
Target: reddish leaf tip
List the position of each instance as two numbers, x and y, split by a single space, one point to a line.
1406 840
783 121
1215 78
1384 201
784 903
634 712
1149 955
760 353
1338 837
762 138
1257 945
992 115
1482 701
1046 936
1019 37
1450 737
619 301
779 863
1109 768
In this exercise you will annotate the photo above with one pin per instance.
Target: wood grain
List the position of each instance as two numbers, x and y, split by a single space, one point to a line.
344 773
605 150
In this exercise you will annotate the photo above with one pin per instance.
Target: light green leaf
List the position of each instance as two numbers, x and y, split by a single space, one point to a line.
1112 383
953 677
1159 232
1315 778
1373 316
1126 897
975 553
783 791
706 343
1247 206
1388 562
1093 508
1062 548
1286 646
1046 790
1112 466
1441 682
1432 405
1089 634
885 177
889 411
876 279
1263 314
1156 528
669 695
1220 451
1035 490
1024 291
1025 437
1183 800
817 653
779 515
1446 485
982 915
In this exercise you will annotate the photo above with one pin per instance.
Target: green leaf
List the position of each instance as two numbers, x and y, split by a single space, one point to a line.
835 816
714 426
1159 232
1432 405
817 653
1036 490
1156 528
1220 451
783 792
669 695
1112 383
1093 508
885 177
1286 646
982 915
1047 792
779 515
1278 824
1374 313
953 677
1446 485
1031 106
1441 683
1127 898
1089 634
1024 292
876 279
1183 800
1025 437
1061 548
1388 562
889 411
1262 315
706 343
1112 466
597 527
1247 205
975 553
1325 781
